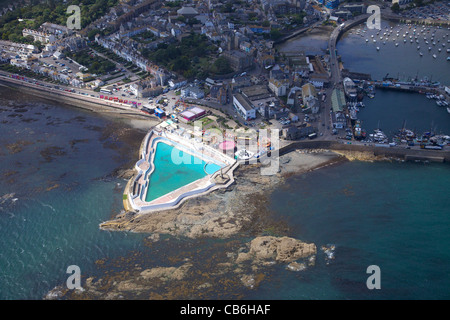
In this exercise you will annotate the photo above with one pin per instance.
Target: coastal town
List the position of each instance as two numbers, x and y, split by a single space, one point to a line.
207 120
168 58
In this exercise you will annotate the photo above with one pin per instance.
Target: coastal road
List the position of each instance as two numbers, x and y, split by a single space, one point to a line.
94 102
325 123
332 42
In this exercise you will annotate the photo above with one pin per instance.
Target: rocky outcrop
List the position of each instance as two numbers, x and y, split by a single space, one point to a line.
353 155
240 266
224 212
166 273
268 248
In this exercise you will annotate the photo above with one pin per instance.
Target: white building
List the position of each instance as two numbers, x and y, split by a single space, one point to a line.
244 107
279 87
43 37
175 84
192 92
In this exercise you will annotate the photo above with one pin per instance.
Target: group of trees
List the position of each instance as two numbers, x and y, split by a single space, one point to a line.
34 14
221 66
185 56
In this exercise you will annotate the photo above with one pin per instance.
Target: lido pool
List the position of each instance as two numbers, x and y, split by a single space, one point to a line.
175 169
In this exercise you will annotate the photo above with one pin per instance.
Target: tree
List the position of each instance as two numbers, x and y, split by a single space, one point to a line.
222 65
181 64
275 34
395 7
93 32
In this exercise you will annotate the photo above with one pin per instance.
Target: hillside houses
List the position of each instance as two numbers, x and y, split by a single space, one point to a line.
125 50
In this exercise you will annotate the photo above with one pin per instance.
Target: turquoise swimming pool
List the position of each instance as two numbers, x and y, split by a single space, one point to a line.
174 169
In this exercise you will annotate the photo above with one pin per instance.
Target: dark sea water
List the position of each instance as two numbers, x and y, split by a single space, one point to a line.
393 215
391 110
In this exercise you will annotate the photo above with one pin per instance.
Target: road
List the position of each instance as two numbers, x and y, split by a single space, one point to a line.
325 122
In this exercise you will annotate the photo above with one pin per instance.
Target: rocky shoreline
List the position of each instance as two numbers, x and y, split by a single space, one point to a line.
225 212
238 269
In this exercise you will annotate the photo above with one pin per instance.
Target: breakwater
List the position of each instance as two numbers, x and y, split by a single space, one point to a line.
372 150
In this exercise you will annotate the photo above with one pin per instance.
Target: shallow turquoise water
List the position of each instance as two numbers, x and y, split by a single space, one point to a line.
394 215
174 169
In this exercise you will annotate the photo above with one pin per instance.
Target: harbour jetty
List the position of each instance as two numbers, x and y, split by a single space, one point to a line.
373 150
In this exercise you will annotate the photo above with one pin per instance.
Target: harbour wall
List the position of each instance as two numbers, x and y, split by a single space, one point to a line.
375 151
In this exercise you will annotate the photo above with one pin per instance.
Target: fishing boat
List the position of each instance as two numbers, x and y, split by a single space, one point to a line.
358 131
378 136
350 88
